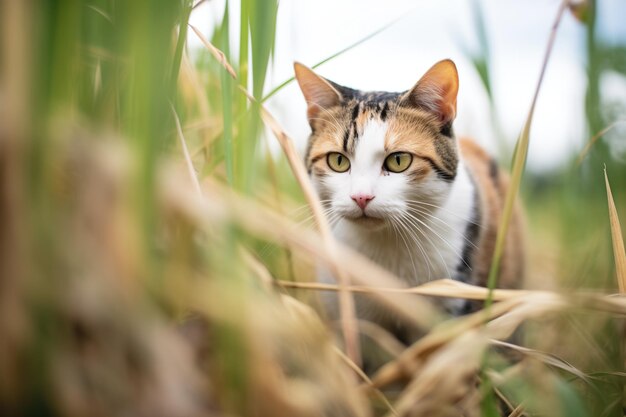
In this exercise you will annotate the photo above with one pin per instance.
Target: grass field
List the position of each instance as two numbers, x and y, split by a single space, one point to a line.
157 260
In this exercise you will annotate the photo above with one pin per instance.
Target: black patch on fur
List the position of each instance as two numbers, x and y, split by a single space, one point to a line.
318 172
471 236
376 96
346 138
347 93
317 158
355 112
372 106
441 173
494 172
352 131
464 267
446 176
446 130
383 111
446 149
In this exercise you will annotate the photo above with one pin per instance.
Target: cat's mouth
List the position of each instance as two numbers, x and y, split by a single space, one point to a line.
367 220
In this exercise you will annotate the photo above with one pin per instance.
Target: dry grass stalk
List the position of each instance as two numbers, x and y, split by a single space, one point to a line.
357 370
192 171
519 161
189 77
383 338
503 318
227 206
217 54
517 412
546 358
595 138
447 288
507 402
346 301
291 365
618 242
451 289
325 388
258 268
437 389
16 33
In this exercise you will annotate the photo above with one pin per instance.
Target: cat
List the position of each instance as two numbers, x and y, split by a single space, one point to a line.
403 191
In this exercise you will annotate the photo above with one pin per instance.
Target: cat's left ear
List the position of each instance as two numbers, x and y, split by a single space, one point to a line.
436 91
318 92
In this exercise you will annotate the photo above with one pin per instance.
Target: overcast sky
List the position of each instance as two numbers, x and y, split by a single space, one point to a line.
430 30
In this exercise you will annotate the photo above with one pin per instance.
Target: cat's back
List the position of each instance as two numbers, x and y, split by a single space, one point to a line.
492 184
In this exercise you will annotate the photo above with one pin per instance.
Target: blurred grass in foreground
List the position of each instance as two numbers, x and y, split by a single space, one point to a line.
124 289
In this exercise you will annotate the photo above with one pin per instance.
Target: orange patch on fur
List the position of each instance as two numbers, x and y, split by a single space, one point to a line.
415 132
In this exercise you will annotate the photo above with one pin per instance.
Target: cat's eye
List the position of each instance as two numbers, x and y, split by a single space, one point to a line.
338 162
398 161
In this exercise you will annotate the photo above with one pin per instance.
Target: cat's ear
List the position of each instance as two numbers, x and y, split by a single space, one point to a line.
318 92
436 91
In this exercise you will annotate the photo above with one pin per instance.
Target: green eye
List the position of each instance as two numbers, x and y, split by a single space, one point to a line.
398 161
338 162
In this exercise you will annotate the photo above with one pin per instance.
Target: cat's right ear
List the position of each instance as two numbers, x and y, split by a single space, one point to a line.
318 92
436 91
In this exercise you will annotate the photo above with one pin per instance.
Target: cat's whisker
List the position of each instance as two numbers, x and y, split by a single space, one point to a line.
334 218
444 224
429 265
327 211
399 232
304 206
427 207
412 229
406 228
334 120
268 249
308 220
336 125
409 215
295 212
422 203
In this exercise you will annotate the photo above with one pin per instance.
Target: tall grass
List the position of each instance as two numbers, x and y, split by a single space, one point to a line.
148 266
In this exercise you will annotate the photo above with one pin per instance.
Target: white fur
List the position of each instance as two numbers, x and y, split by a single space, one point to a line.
416 256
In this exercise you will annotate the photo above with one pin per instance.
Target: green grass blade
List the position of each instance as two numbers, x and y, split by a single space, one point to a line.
595 138
227 99
480 62
519 161
262 27
241 102
336 54
618 242
571 404
481 59
262 18
180 44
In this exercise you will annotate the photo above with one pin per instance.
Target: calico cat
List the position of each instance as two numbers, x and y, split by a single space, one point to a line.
402 190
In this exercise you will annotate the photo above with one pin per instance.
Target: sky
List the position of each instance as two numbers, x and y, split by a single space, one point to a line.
428 31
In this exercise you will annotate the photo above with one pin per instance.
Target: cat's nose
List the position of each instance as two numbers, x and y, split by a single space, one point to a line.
362 199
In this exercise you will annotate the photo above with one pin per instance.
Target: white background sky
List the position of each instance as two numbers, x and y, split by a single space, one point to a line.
430 30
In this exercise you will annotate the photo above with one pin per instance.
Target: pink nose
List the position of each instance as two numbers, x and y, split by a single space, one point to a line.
362 199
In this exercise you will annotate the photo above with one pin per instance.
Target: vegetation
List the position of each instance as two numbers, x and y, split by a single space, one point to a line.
149 263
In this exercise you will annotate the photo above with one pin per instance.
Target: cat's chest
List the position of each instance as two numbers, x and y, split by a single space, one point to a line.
416 255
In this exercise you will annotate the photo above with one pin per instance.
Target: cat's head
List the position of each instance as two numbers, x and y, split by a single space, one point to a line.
373 156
